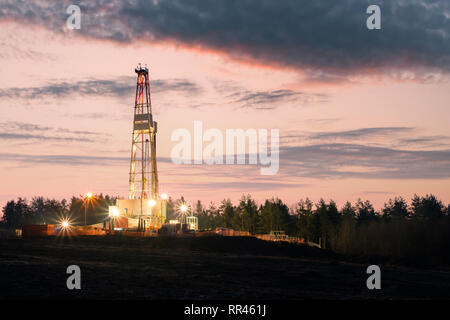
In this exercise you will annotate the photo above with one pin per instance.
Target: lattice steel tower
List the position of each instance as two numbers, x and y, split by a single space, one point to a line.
143 182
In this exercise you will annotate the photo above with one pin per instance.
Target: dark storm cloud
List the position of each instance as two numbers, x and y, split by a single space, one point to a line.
122 87
327 39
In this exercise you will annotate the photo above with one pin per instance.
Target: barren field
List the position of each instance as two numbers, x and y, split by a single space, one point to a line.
200 268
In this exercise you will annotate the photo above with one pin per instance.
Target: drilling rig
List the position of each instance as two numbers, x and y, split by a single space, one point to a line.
144 205
143 180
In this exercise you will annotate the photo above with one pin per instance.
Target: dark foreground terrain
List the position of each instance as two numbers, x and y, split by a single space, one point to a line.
199 268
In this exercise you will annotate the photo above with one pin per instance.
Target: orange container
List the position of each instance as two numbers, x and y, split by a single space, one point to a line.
38 230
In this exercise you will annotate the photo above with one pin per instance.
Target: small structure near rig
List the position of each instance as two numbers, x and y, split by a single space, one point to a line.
38 230
192 222
144 204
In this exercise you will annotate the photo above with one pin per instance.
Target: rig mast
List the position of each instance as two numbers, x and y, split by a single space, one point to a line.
143 181
144 209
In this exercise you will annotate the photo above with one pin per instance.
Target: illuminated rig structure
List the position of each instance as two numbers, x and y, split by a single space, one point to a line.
144 208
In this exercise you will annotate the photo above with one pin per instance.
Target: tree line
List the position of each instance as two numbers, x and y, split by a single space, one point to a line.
40 210
418 231
401 229
312 221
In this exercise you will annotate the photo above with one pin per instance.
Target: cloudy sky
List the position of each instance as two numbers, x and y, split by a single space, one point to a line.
361 113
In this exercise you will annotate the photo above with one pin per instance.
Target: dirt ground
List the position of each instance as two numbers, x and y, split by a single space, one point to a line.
200 268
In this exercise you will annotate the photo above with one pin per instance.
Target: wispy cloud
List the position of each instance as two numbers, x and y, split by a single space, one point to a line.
275 99
322 120
8 51
396 134
16 130
73 160
237 94
69 159
345 160
320 161
24 136
239 186
361 133
377 192
121 87
438 141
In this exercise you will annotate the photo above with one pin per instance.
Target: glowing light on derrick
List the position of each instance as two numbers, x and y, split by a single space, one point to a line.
183 208
164 196
151 203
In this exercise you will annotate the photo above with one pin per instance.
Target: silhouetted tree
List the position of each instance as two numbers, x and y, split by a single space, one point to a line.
170 209
346 229
365 212
275 216
17 213
37 206
214 218
248 211
427 207
202 216
396 209
226 210
9 219
307 222
328 216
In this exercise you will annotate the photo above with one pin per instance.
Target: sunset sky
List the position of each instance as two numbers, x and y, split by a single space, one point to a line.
361 113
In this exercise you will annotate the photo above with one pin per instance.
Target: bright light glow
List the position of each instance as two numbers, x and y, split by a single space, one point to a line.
164 196
89 195
115 212
151 203
65 224
183 208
